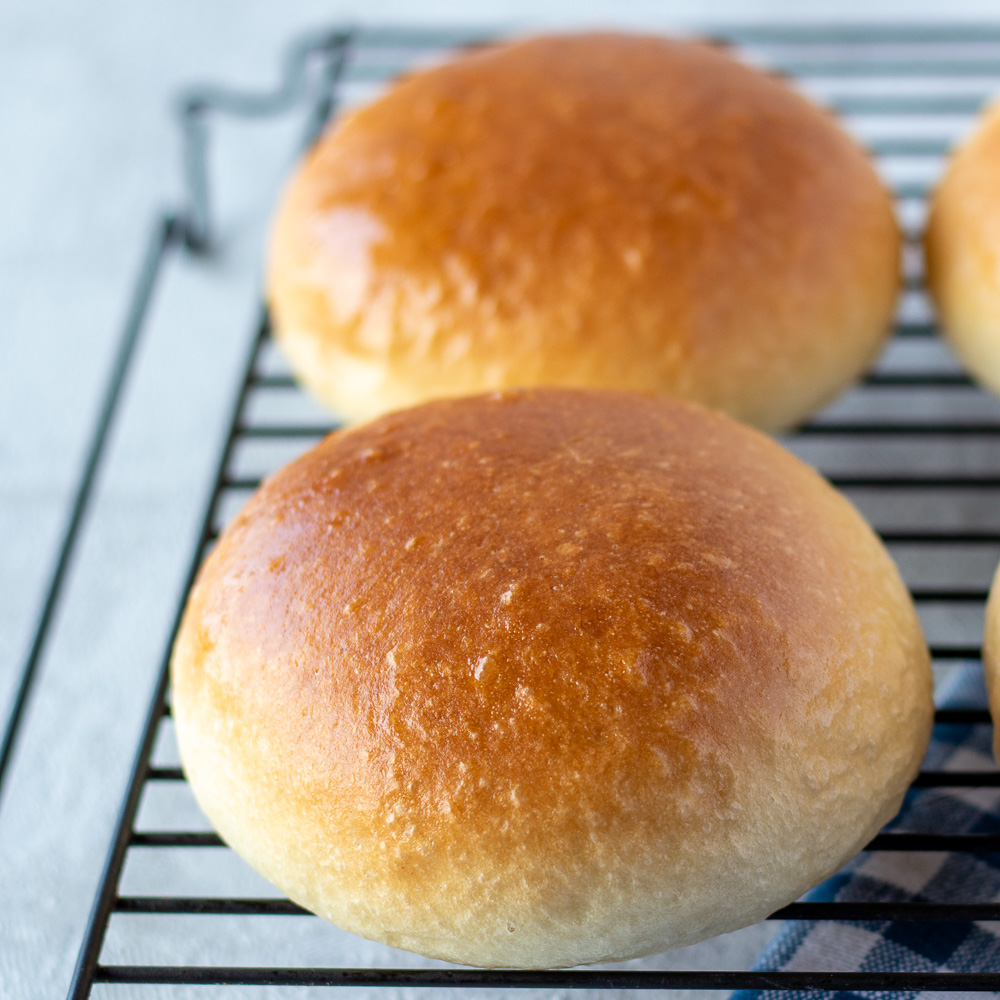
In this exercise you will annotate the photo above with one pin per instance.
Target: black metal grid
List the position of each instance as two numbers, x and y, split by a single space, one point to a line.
922 430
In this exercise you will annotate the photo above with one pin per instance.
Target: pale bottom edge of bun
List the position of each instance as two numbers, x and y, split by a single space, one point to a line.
590 951
618 931
977 345
359 389
991 658
355 388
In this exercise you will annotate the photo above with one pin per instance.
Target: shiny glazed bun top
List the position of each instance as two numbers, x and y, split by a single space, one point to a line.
596 210
549 677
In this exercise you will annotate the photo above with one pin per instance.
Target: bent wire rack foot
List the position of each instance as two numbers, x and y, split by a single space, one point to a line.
913 444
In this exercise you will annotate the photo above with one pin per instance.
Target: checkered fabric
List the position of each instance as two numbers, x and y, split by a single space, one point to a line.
910 946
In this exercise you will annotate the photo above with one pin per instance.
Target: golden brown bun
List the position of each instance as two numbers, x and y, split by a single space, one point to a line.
991 658
963 251
549 677
597 210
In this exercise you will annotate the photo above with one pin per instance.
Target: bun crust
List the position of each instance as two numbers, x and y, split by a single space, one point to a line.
963 251
597 210
991 658
547 678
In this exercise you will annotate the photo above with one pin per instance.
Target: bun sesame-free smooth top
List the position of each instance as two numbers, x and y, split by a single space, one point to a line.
549 677
598 210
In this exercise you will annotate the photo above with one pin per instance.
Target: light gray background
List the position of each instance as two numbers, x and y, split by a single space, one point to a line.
88 154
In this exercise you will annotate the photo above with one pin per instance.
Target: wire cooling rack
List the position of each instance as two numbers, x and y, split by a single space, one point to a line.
916 446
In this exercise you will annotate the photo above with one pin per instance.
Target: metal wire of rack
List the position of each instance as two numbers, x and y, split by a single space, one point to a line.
916 445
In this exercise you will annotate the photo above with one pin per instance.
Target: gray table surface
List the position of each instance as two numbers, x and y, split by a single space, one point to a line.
88 155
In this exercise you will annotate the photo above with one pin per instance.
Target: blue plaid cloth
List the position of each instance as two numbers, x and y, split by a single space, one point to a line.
909 946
